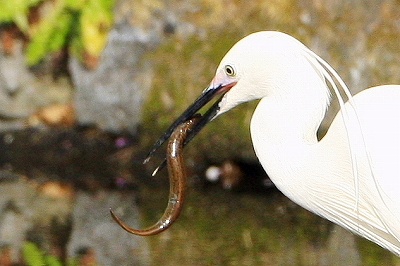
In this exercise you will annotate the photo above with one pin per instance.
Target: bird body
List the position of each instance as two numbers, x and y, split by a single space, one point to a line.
318 175
352 175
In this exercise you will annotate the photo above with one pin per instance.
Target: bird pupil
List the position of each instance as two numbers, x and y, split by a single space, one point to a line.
229 70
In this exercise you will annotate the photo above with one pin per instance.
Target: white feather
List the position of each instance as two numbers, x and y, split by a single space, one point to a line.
352 175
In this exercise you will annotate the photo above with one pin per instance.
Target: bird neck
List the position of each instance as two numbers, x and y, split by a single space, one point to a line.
283 131
295 117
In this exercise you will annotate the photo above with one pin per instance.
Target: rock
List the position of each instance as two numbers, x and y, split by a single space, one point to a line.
21 91
55 217
13 221
17 88
111 96
94 229
26 213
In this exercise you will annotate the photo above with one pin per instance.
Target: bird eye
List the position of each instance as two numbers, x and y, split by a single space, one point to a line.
230 71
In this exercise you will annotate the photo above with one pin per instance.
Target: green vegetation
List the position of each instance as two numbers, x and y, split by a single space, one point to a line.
34 256
17 12
50 26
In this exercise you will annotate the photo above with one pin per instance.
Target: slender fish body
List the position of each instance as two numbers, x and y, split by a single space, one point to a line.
178 184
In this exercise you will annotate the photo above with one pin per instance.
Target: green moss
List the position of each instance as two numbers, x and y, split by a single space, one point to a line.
374 255
183 70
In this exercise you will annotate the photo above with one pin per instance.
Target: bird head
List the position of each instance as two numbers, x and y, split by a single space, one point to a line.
247 72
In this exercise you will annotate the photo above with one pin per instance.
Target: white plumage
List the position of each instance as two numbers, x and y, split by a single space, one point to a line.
352 175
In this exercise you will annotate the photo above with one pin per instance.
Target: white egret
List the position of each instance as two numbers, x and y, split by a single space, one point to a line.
352 175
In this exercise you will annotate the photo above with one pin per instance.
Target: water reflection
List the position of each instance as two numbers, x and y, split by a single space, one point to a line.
217 227
222 228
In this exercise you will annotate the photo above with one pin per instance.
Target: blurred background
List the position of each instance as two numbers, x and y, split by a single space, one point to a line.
87 86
